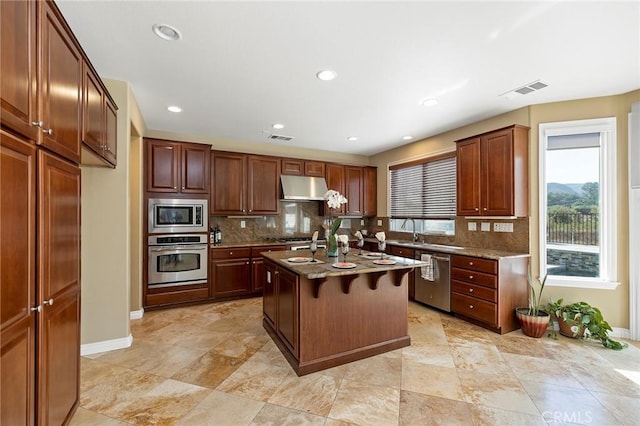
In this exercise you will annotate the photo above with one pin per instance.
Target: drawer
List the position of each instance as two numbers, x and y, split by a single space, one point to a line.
471 307
230 253
475 264
401 251
474 277
255 251
478 291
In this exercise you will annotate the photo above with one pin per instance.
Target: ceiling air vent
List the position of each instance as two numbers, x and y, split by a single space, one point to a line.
526 89
279 137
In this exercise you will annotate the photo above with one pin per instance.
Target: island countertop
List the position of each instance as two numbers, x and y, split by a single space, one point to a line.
325 267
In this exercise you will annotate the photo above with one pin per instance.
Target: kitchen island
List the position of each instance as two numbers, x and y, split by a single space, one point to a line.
325 314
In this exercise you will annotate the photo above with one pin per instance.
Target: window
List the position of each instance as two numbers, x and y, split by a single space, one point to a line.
425 190
578 203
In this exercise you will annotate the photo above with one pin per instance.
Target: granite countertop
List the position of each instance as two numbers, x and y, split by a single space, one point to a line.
324 267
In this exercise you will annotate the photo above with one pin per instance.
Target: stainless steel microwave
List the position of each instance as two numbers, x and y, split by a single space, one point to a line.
169 216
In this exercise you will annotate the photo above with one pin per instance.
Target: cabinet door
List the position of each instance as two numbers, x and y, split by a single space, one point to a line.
353 190
292 167
287 323
17 275
228 183
231 277
58 288
370 191
111 132
497 174
163 160
314 168
61 85
195 169
336 181
269 293
468 177
263 179
18 67
257 266
93 112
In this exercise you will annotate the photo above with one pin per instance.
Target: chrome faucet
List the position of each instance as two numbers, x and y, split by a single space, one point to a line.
414 235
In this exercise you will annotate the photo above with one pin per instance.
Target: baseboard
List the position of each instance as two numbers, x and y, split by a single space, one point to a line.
134 315
621 333
106 345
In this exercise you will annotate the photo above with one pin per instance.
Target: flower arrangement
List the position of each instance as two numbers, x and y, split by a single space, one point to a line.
334 201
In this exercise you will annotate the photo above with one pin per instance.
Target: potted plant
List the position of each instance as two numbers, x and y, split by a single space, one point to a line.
534 319
580 318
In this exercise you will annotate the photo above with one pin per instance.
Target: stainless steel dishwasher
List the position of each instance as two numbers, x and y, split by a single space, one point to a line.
433 282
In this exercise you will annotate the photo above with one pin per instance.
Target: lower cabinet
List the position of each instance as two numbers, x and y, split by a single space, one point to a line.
410 254
257 266
280 304
40 315
230 272
487 291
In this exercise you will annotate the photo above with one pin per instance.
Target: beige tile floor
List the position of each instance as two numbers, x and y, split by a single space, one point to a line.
215 365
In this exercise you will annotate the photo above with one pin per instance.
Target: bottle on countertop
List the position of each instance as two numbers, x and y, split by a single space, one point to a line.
217 235
212 235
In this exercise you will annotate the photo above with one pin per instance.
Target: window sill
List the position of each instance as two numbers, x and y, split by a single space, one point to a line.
580 282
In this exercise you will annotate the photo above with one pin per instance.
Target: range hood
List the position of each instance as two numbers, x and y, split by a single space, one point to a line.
303 188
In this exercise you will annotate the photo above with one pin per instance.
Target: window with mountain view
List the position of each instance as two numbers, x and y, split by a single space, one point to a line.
577 220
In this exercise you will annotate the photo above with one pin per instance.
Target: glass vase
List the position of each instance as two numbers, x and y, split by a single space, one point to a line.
332 246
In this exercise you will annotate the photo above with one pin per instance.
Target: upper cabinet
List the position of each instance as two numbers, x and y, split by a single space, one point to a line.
370 191
244 184
296 167
178 168
358 184
44 85
334 175
492 173
353 190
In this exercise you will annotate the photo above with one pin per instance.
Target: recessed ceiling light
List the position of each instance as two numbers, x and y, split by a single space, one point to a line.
430 102
166 32
174 108
352 138
278 126
326 75
406 138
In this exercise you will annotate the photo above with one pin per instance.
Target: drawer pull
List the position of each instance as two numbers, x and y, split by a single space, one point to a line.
470 263
470 306
470 277
470 290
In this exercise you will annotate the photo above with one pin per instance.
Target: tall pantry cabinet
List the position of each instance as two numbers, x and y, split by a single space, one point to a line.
41 85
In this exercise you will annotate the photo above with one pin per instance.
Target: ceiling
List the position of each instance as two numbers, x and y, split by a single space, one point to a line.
242 66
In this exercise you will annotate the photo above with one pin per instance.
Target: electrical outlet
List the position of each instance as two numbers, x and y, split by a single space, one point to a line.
243 224
472 226
485 226
379 222
503 227
361 222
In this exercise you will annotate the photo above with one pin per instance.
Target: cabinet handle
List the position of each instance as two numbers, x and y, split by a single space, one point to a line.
470 263
470 306
37 309
470 290
47 131
470 277
477 209
37 123
48 302
230 253
485 209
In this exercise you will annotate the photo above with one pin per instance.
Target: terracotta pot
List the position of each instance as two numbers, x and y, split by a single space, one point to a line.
575 331
532 325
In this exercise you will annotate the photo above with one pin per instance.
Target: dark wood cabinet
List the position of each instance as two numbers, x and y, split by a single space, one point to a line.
99 126
60 85
257 266
335 177
487 291
296 167
492 173
370 191
230 272
18 68
177 167
410 254
280 304
354 184
18 278
244 184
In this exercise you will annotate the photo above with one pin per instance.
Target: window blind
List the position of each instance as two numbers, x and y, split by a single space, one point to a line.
424 189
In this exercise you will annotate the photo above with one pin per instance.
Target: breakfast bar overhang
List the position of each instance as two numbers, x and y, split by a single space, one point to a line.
325 314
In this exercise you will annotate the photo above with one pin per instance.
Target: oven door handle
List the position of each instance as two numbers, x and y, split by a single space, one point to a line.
174 248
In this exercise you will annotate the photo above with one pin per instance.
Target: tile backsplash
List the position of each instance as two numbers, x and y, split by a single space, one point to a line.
300 219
